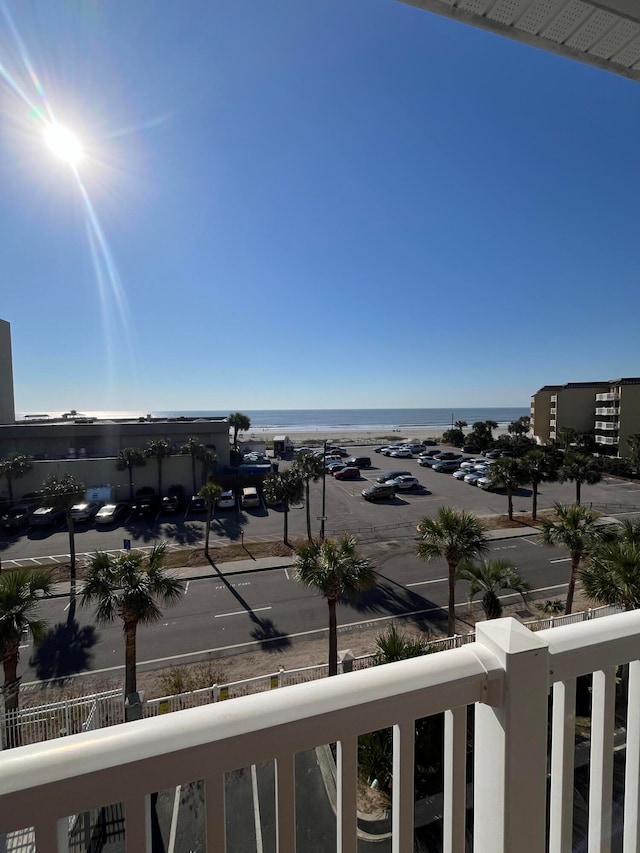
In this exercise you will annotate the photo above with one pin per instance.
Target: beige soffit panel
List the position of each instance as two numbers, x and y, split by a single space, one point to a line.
604 33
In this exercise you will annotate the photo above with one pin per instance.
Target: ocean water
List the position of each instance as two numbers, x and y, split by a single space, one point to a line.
312 420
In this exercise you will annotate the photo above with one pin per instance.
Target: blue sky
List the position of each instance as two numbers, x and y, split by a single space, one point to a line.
333 203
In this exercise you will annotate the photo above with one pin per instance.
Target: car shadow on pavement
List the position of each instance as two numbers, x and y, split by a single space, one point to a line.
64 651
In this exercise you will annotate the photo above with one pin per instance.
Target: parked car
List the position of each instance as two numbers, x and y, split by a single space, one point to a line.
197 504
469 448
379 492
145 504
250 497
298 450
470 464
447 454
227 500
405 482
429 442
46 516
348 473
16 518
402 453
485 483
428 461
359 461
333 467
444 465
492 454
84 511
391 475
330 457
110 513
461 473
473 476
337 451
428 454
415 447
174 499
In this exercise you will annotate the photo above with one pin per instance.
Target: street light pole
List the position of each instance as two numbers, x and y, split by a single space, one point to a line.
324 488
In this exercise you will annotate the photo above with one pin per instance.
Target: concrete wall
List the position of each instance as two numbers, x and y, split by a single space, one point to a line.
542 414
629 416
176 470
7 402
576 408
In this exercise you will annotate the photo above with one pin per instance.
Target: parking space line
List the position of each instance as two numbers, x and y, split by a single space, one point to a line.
537 544
426 583
241 612
561 560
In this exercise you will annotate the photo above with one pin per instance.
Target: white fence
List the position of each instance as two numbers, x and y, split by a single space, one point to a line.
505 675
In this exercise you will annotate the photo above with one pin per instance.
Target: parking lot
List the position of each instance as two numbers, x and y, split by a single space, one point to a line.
345 511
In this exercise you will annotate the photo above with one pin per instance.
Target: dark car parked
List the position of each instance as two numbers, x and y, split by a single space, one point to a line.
469 448
145 504
379 492
391 475
349 473
16 518
359 461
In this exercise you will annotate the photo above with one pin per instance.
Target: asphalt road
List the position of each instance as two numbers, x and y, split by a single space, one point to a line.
268 609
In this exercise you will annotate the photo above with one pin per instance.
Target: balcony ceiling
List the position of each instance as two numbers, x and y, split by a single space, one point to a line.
605 33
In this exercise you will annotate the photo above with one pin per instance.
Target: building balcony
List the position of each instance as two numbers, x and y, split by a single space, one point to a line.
507 676
552 433
606 439
552 410
608 410
607 398
553 398
552 424
608 426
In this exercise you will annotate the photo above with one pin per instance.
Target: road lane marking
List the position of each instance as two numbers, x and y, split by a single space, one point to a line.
561 560
186 588
174 821
537 544
425 583
286 574
241 612
256 809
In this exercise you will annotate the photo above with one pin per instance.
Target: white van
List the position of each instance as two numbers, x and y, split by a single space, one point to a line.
250 497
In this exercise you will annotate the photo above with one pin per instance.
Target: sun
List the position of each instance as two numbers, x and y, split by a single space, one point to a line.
63 143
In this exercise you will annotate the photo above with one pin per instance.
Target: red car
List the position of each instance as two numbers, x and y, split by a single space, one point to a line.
349 473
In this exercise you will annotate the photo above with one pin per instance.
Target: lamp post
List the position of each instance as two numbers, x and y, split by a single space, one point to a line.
324 488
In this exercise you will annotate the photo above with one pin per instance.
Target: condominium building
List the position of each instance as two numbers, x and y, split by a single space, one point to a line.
610 410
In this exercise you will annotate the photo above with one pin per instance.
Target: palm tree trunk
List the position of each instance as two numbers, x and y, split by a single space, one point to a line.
130 682
159 478
285 538
333 638
10 487
510 502
575 564
534 501
491 605
306 500
72 560
578 485
11 691
193 473
131 484
207 532
451 626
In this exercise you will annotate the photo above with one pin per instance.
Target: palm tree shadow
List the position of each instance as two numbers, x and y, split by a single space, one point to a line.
265 632
392 598
64 651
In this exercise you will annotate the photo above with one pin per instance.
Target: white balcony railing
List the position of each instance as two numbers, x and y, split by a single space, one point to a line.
552 423
608 426
552 410
606 439
506 674
553 398
608 410
606 398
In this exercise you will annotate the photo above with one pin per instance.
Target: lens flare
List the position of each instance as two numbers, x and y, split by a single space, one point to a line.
63 143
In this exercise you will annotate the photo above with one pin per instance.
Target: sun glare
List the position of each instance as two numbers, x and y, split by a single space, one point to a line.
63 143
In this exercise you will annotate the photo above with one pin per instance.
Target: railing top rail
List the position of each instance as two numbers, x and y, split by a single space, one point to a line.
156 753
586 647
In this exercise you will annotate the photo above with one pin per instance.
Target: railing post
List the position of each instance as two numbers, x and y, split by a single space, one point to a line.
510 756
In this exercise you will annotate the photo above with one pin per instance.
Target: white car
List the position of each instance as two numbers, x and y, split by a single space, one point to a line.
473 477
405 482
389 449
227 500
402 453
485 483
444 465
110 513
84 511
469 464
461 473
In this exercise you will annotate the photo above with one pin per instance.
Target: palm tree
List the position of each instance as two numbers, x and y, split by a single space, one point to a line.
460 425
285 487
521 426
612 573
490 577
210 492
309 467
240 423
14 466
62 493
129 458
578 468
508 474
130 588
393 646
195 449
491 425
20 590
633 442
158 449
541 466
338 572
566 435
209 458
574 528
457 536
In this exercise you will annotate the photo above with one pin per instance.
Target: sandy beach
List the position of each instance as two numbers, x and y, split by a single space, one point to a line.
348 437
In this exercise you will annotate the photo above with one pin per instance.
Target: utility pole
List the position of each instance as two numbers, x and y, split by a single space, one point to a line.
324 488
